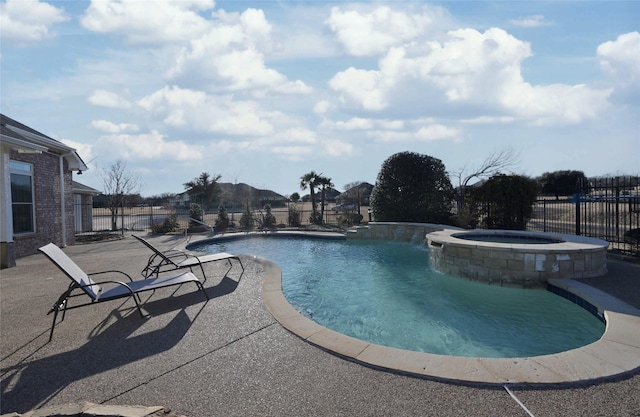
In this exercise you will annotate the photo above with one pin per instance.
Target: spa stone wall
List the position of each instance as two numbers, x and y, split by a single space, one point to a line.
404 232
505 265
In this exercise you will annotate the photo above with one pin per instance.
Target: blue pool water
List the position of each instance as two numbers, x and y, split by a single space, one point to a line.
386 293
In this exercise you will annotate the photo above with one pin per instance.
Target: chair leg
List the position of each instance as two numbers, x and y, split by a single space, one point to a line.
135 299
204 276
201 288
53 324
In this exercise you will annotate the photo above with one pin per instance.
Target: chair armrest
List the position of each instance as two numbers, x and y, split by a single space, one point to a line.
111 272
174 253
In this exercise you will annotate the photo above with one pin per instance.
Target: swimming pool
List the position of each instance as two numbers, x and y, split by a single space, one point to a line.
386 293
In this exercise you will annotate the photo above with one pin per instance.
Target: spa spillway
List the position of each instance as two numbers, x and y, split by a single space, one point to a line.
516 258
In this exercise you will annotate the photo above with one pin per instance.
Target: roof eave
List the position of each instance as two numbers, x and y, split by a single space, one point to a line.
22 145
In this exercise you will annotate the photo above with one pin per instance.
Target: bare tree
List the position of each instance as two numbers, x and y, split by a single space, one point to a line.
118 183
496 162
353 193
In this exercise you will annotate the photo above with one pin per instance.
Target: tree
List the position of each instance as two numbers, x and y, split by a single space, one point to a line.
412 188
496 162
204 189
246 219
267 220
324 183
295 197
222 221
563 183
353 193
196 215
310 180
506 201
293 217
117 183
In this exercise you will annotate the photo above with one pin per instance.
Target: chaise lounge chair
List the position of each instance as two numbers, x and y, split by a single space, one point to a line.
114 289
162 261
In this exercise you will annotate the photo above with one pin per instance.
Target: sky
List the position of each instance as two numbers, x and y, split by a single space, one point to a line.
263 92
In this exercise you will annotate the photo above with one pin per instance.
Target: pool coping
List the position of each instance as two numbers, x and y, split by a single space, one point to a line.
564 241
615 355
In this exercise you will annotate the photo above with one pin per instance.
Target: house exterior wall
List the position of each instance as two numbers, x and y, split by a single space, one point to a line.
47 194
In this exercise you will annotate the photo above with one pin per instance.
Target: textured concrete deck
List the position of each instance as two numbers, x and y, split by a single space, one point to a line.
230 357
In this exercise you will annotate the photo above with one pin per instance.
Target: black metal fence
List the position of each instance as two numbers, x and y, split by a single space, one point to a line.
92 221
610 210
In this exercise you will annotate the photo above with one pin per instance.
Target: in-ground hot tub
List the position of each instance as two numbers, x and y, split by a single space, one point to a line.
519 258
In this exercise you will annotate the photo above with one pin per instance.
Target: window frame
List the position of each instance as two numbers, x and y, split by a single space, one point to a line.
24 169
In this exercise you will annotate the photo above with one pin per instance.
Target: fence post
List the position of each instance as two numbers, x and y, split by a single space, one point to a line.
617 209
122 218
151 216
544 216
577 200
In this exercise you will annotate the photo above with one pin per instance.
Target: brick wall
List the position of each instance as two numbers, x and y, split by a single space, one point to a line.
48 222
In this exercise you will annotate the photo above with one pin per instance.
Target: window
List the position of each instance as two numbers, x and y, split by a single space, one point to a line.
22 197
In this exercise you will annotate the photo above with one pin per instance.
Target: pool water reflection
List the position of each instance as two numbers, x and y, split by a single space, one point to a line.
386 293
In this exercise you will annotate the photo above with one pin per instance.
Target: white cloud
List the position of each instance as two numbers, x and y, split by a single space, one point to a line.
245 69
229 56
293 153
110 127
426 133
26 21
108 99
473 66
197 111
437 132
470 68
356 123
373 32
482 120
362 87
556 103
338 148
148 23
291 144
361 123
322 107
295 135
533 21
620 59
152 145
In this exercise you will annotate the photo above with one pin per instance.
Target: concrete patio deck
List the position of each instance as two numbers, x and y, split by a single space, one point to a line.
230 357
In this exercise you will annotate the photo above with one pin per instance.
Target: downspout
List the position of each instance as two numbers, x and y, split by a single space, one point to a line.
62 206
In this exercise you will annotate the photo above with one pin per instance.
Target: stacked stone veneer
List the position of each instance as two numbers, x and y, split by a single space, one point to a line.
519 265
404 232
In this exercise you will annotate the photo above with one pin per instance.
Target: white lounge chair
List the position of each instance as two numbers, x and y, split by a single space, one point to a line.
162 261
98 292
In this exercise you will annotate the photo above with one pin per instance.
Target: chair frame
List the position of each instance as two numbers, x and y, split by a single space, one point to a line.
173 259
95 290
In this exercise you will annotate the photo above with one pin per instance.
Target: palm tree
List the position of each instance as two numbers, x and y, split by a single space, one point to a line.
310 180
325 183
